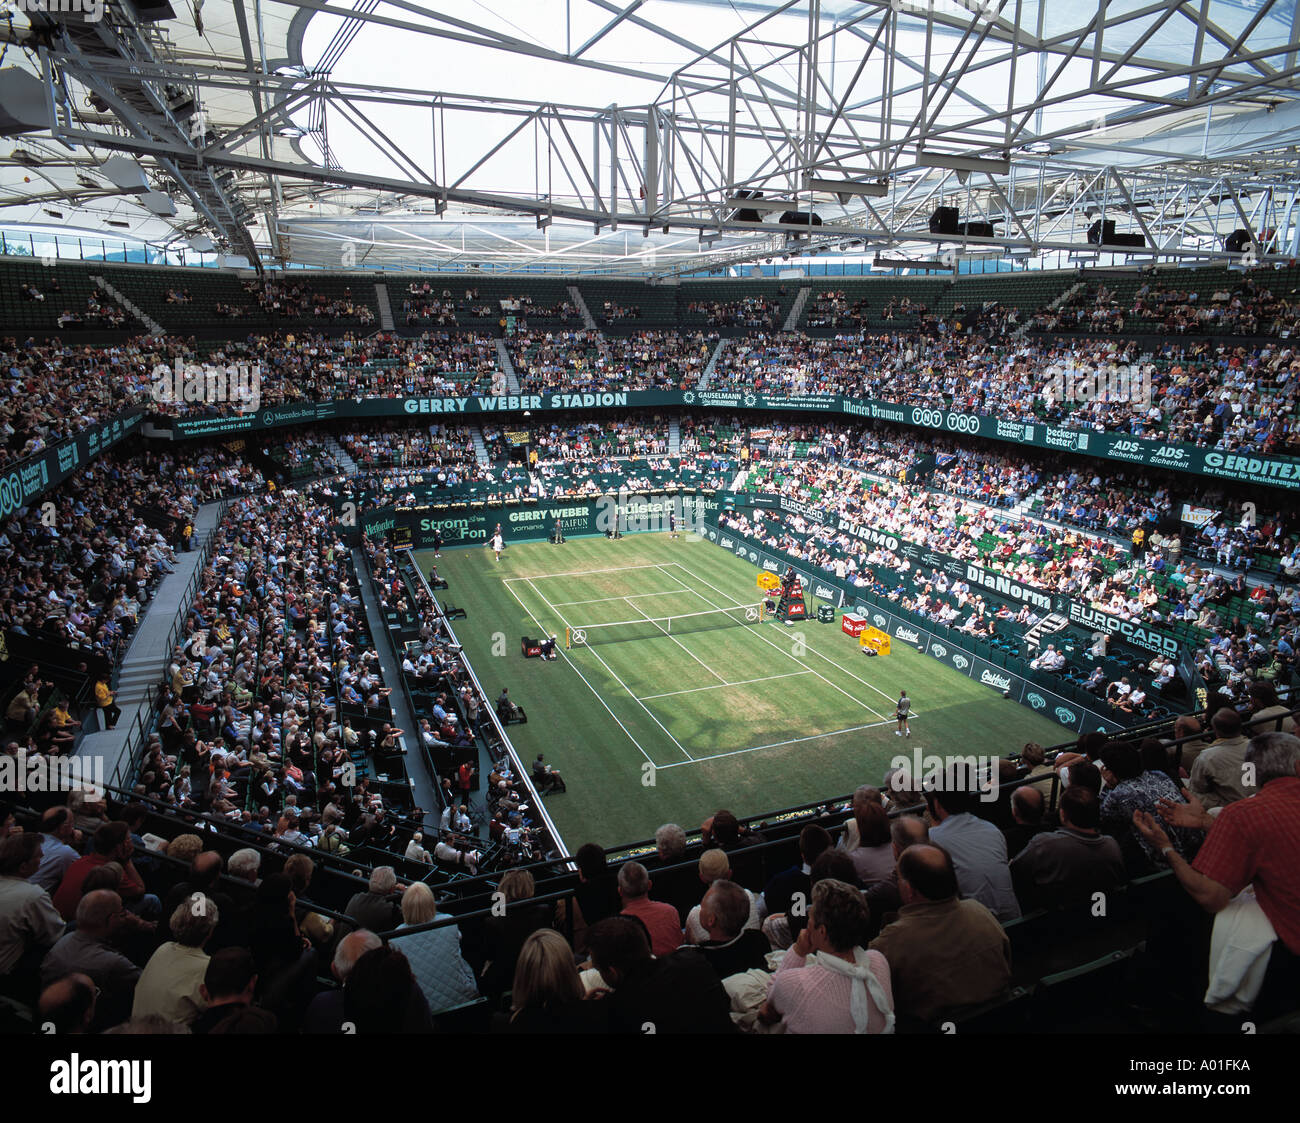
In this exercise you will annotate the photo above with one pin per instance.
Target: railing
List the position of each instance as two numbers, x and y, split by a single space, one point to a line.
535 799
128 762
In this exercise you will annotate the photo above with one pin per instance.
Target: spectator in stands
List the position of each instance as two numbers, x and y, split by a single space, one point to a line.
732 943
1217 776
68 1005
383 988
104 700
1251 842
793 886
884 899
170 984
671 994
1028 813
228 987
1131 788
327 1011
88 950
828 982
1067 866
504 936
866 838
944 953
661 919
376 908
29 922
59 834
415 851
547 995
112 843
596 896
1264 704
977 848
244 865
444 977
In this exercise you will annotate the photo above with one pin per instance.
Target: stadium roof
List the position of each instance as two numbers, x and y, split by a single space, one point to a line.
593 135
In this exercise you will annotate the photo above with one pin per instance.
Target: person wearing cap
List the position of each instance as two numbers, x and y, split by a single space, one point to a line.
547 648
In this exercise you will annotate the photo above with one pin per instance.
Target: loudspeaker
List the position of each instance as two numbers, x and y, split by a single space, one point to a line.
801 218
977 229
944 221
1102 234
1237 241
22 103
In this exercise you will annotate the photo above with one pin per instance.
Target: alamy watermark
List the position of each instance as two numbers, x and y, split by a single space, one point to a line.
626 513
41 773
1121 383
91 10
238 384
928 772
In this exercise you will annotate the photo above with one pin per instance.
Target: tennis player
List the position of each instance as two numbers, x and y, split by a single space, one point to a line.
498 543
902 711
672 524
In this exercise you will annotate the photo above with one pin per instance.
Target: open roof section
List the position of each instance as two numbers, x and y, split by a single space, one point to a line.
578 135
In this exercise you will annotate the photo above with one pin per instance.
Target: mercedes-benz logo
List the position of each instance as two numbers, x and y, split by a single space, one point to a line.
751 613
578 636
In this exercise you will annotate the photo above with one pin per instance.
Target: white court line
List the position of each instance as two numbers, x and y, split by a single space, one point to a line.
578 573
812 651
602 600
779 744
743 682
594 691
610 671
679 643
832 685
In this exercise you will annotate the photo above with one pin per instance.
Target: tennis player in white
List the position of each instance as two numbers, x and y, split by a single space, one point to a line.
902 711
498 543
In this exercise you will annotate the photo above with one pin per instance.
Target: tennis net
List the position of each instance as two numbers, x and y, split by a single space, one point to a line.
586 635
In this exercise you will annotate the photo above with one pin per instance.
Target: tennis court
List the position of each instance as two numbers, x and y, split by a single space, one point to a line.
676 697
665 650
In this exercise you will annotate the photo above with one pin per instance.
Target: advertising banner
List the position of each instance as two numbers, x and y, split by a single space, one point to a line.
906 628
1246 467
25 481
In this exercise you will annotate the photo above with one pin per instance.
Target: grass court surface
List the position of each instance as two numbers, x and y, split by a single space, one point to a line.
649 728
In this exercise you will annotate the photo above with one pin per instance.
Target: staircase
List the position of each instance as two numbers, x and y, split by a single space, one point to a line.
1021 510
155 328
345 462
507 367
707 374
1066 296
674 438
385 309
480 448
589 321
1049 625
796 309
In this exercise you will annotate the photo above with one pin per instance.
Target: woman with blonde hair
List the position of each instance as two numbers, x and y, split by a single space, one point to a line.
434 953
504 934
548 995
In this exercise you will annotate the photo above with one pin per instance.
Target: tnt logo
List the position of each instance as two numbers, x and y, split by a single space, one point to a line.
948 259
199 126
1249 256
